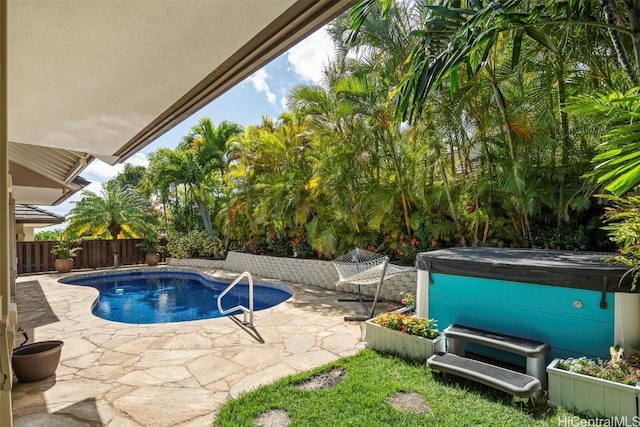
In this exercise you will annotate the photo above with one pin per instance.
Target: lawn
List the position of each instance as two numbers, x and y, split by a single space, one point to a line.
360 399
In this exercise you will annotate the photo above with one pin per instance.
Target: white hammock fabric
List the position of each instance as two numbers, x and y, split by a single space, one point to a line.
362 267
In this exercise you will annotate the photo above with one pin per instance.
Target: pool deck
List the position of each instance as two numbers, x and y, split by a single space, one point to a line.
172 374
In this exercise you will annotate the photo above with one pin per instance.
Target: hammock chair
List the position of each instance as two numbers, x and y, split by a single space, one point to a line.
361 267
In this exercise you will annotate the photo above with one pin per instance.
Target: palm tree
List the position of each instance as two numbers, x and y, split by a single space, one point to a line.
116 211
209 142
200 162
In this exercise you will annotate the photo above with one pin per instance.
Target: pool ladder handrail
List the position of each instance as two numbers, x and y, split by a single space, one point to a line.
245 310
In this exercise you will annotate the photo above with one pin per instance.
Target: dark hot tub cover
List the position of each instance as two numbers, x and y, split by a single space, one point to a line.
584 270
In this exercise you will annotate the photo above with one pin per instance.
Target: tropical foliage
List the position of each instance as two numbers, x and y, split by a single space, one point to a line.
437 124
150 244
195 244
623 225
65 248
48 234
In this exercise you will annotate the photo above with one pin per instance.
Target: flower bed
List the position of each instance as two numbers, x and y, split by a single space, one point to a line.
404 335
603 388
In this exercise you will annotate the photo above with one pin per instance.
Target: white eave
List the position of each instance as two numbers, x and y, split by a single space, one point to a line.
102 79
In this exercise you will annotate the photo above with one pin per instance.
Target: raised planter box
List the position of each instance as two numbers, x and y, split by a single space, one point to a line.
595 396
404 345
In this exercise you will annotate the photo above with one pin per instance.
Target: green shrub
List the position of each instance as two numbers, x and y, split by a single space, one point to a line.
279 244
565 237
195 244
623 225
48 235
304 250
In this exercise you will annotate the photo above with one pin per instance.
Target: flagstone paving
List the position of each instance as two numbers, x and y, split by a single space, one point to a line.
171 374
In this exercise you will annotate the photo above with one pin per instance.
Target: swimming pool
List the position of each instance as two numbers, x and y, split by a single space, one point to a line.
145 297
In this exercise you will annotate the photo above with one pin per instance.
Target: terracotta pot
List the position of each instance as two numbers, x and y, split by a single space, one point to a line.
37 361
152 259
63 265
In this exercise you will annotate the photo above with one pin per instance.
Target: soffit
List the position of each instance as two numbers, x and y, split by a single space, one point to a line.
105 78
58 164
35 187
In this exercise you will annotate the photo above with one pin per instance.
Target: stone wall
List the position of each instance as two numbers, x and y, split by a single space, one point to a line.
304 271
197 263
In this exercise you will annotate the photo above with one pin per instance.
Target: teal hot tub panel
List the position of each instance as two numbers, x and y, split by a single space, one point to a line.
569 319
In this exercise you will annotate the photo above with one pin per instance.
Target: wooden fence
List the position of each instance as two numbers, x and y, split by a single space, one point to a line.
36 257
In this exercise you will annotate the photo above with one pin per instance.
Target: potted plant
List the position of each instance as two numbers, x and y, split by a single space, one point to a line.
604 388
64 251
402 333
151 248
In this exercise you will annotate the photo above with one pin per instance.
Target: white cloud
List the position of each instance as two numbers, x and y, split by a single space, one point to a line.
309 57
138 159
259 82
94 187
101 169
104 171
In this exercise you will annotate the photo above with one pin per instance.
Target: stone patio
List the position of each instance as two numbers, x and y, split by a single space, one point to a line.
173 374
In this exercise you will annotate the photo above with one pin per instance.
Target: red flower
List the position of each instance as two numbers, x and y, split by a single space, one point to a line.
414 241
404 245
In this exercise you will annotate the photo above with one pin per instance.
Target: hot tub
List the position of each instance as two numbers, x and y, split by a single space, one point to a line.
577 302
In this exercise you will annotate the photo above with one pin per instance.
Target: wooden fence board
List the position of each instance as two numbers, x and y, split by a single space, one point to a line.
36 257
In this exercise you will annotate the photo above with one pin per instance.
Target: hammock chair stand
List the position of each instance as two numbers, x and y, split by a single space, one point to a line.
362 267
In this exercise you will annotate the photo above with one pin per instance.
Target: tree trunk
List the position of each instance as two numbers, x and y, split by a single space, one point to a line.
508 134
566 142
633 14
610 13
114 230
452 208
405 203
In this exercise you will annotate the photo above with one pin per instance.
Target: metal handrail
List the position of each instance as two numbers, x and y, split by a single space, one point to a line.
239 307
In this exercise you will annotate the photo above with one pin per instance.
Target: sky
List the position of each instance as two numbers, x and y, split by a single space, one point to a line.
262 94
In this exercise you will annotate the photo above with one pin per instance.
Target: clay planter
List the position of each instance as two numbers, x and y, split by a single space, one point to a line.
152 259
37 361
63 265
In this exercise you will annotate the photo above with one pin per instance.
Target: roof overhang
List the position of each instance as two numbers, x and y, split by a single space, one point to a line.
32 216
103 79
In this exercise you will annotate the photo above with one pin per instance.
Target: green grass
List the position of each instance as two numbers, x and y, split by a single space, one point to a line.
359 400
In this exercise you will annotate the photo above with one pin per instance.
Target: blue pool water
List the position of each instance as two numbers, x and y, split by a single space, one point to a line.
145 297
